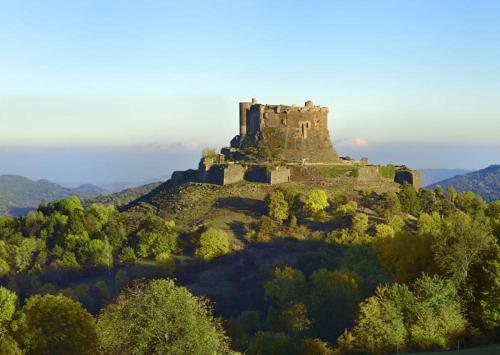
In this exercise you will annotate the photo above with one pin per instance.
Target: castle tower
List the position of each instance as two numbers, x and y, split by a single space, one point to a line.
298 132
244 106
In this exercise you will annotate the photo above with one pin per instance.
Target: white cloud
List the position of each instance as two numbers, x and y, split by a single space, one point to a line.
354 143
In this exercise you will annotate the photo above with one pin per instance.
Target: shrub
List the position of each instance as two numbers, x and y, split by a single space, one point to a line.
160 318
209 153
213 243
316 201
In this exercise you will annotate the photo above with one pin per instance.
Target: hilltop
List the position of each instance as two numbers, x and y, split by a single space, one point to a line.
123 197
485 182
19 194
228 206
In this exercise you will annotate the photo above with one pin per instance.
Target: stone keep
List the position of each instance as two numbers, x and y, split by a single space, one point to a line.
298 132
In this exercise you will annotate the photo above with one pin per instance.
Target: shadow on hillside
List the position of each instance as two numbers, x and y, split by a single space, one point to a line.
238 228
235 281
248 206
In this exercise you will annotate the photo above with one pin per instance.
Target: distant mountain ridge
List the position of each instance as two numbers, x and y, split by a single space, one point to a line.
432 176
485 182
19 194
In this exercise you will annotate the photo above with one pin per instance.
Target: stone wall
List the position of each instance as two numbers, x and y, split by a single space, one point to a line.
298 132
368 173
322 172
278 175
226 174
411 177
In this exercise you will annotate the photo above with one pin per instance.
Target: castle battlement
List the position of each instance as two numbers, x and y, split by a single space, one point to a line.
283 143
299 132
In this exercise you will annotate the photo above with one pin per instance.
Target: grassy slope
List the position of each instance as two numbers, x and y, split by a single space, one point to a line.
123 197
229 207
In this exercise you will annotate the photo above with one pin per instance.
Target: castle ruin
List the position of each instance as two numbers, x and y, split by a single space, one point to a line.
298 133
281 143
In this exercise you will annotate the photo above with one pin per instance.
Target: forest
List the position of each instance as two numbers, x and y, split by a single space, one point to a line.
371 273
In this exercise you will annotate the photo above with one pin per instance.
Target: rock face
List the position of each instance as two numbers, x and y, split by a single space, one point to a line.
299 133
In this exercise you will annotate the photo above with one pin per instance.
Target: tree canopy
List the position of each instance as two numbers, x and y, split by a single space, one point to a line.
162 318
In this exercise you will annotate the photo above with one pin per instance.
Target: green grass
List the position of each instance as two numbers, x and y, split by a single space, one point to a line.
387 171
333 171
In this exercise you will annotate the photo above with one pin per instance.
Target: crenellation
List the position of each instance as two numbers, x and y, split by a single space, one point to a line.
303 130
298 147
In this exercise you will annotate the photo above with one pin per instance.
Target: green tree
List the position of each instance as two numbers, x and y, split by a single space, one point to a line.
493 212
127 256
33 223
428 200
288 287
98 253
452 194
362 261
4 254
213 243
67 261
380 326
316 346
295 318
316 202
56 325
359 224
8 305
25 253
483 307
9 345
160 318
436 318
156 236
406 255
267 343
429 224
428 316
469 202
463 242
410 203
333 300
439 192
348 208
391 204
397 223
384 231
291 195
277 206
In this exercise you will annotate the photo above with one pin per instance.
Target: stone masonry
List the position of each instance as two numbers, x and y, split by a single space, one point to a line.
300 135
299 132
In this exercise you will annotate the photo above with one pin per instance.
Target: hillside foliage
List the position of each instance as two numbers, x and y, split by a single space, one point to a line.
19 195
485 183
305 272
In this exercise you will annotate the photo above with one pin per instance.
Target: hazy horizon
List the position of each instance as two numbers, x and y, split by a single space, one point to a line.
105 91
104 165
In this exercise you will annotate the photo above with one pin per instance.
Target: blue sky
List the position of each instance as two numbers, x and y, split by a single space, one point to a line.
407 81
